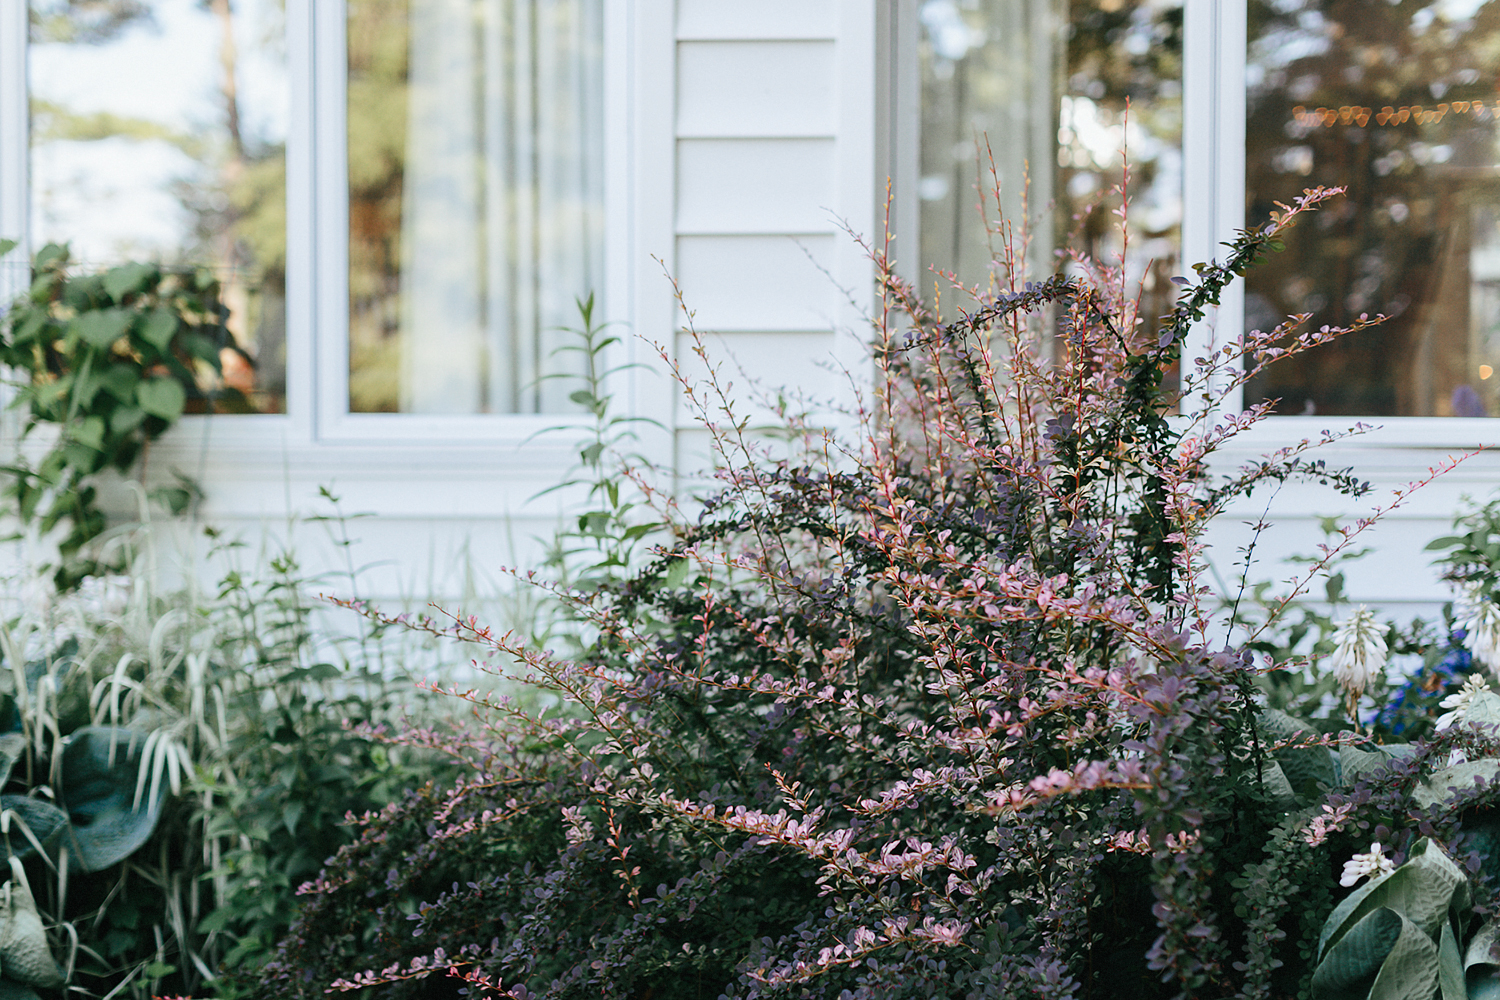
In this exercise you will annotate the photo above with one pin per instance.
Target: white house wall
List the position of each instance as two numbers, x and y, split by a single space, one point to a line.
741 138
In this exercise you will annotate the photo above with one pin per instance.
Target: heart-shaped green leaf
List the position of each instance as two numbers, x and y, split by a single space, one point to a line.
161 397
158 328
100 328
121 281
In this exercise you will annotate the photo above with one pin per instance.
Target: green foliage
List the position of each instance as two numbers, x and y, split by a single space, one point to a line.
1398 935
108 362
195 757
928 713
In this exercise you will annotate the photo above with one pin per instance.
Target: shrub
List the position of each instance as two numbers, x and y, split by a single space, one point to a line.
933 713
212 730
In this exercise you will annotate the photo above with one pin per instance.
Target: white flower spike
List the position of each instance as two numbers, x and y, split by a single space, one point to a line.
1480 620
1374 864
1359 656
1458 703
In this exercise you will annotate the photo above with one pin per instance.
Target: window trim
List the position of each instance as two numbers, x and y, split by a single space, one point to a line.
317 226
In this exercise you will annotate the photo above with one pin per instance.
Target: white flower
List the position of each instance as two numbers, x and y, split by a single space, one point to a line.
1373 864
1360 651
1480 620
1459 702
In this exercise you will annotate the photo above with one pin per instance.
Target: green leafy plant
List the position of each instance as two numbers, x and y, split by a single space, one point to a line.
1399 935
108 362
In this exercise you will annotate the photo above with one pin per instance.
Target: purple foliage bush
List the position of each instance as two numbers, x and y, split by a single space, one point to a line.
938 714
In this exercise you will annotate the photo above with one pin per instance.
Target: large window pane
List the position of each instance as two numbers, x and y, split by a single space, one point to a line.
476 199
1398 102
1043 85
158 132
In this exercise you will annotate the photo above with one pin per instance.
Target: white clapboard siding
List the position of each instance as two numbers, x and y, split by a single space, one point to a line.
774 156
1396 574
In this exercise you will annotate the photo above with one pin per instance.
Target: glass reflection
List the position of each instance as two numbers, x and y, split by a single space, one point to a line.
1399 103
1043 85
475 200
158 131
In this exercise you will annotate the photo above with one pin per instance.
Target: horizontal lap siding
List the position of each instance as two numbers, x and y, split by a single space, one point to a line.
758 194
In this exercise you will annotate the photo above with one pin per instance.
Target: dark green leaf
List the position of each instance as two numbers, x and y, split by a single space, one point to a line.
102 327
1349 969
127 278
125 419
162 397
99 767
158 328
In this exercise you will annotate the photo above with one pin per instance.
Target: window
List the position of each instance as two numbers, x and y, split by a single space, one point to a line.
475 200
1399 104
1063 97
1234 106
158 131
402 200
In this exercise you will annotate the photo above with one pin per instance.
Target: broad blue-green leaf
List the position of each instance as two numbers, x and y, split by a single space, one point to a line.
99 766
121 281
15 991
12 746
1443 784
1351 966
1306 768
1484 709
159 327
24 954
1277 788
1421 890
1481 971
1450 966
1357 764
1411 970
47 823
161 397
100 328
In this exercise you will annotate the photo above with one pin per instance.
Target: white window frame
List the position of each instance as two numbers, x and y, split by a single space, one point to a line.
638 70
1215 39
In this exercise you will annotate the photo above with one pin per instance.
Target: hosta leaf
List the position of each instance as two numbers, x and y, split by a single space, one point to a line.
24 954
1443 784
1450 966
15 991
1484 709
99 768
162 397
1351 966
1421 890
1481 972
47 823
1411 970
1306 768
1277 788
12 746
1356 764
